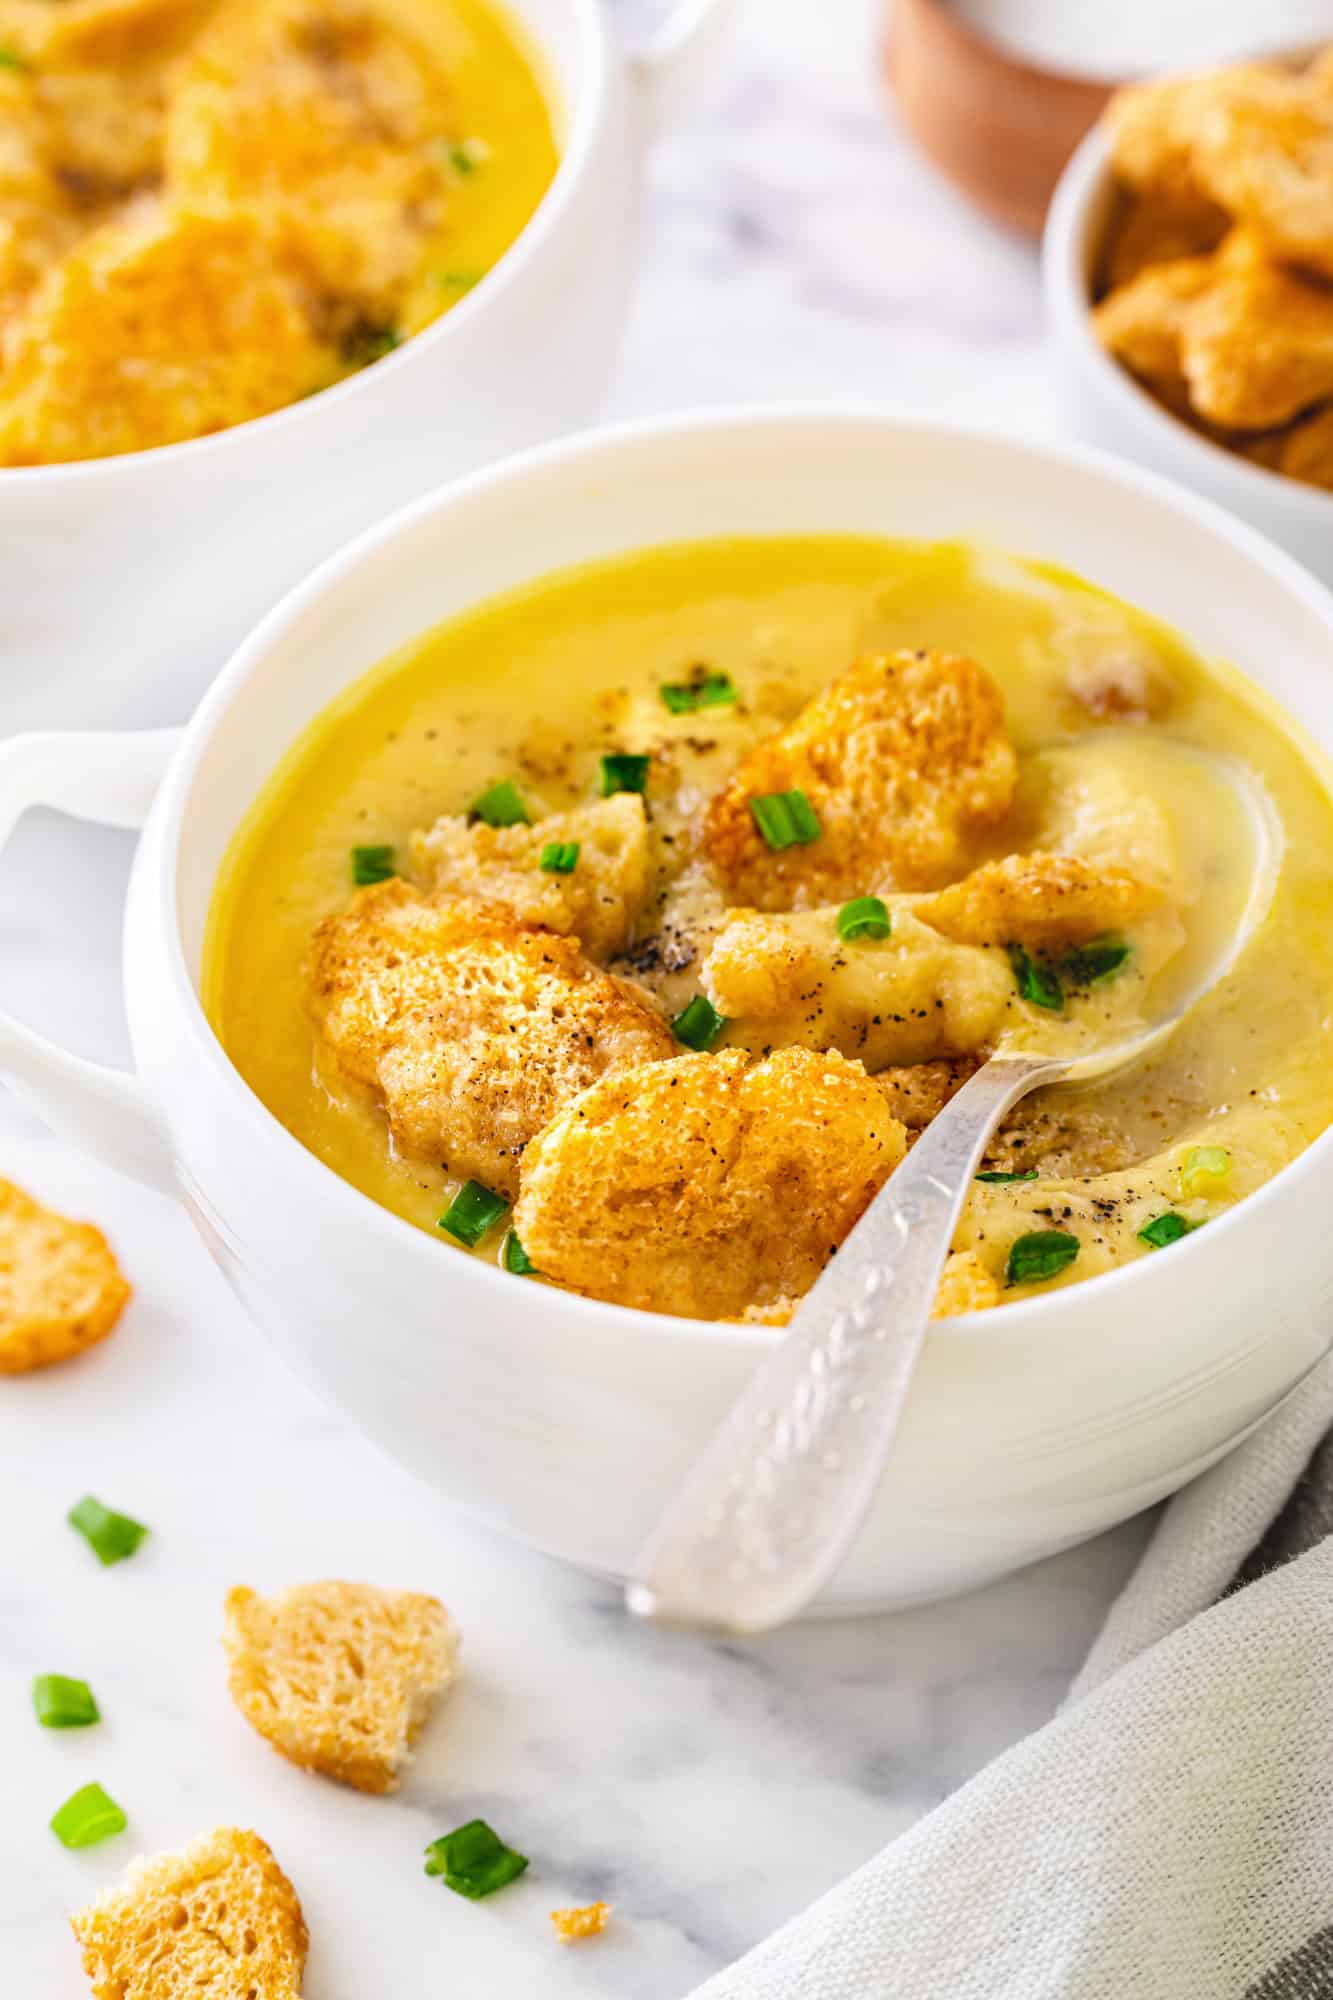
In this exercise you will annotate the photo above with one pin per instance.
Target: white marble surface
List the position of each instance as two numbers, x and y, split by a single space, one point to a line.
794 248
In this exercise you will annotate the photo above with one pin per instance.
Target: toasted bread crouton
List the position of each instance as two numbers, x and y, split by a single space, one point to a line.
1156 128
1265 153
1256 346
1307 450
339 1677
1161 229
784 981
61 1289
902 759
1142 322
587 1921
965 1286
470 1029
596 901
1038 900
37 218
709 1184
326 121
219 1919
157 328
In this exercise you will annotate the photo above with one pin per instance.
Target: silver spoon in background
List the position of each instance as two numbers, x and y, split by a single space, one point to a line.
773 1505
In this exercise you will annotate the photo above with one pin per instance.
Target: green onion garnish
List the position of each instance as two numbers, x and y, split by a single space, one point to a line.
502 805
699 1024
473 1210
786 819
457 281
864 916
559 857
1204 1169
1164 1229
110 1536
372 864
1042 1254
467 157
11 59
87 1817
515 1258
370 343
474 1861
62 1703
701 691
1037 983
1088 963
623 772
998 1179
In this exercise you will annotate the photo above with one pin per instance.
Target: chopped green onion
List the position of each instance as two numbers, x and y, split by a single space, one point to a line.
110 1536
623 772
864 916
87 1817
515 1258
998 1179
702 690
699 1024
501 805
474 1861
11 59
1204 1170
1037 983
62 1703
466 157
1088 963
1042 1254
1164 1229
473 1210
365 344
457 281
560 857
372 864
786 819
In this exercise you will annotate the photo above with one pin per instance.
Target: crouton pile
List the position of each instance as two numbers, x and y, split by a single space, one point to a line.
1216 288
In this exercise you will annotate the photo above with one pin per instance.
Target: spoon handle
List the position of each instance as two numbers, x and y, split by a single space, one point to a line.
773 1505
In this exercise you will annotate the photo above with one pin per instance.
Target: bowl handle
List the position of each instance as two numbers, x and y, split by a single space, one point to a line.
669 66
109 778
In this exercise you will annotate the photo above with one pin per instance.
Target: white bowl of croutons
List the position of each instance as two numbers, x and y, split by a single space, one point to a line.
1189 284
568 1419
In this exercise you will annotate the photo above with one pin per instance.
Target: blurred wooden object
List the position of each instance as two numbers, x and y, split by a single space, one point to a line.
999 128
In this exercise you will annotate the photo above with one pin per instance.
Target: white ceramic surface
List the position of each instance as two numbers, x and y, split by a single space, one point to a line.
567 1421
125 582
1106 405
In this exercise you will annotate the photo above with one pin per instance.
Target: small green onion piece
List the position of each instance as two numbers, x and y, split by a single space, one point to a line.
501 805
1037 983
701 691
1164 1229
372 864
11 59
466 157
111 1537
560 857
87 1817
623 772
864 916
998 1179
474 1861
698 1024
1042 1254
785 819
1204 1170
516 1259
473 1210
1088 963
458 281
62 1703
370 343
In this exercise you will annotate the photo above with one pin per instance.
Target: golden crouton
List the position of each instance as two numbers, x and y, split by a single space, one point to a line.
326 121
60 1286
596 901
1306 450
105 131
471 1029
709 1184
1160 229
902 759
220 1918
587 1921
339 1677
1156 128
37 218
1037 900
965 1286
1142 323
792 981
1266 154
157 328
1256 345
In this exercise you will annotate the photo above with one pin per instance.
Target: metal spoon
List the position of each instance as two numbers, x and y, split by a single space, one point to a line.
773 1505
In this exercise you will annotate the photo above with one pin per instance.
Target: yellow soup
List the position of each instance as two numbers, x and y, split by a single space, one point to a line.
993 828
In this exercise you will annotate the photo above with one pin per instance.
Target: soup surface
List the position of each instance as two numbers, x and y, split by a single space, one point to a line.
212 208
694 884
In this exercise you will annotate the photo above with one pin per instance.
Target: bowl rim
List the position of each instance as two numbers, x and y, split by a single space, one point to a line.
1084 180
569 456
595 46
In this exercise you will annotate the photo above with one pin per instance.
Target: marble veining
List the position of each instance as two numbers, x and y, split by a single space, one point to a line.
794 248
